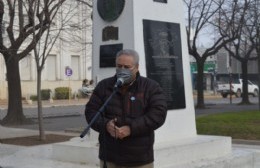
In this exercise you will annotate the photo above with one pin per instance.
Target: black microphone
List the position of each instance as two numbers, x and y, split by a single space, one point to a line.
119 82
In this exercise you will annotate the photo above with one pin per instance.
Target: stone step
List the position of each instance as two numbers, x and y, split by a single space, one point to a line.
167 154
198 152
239 158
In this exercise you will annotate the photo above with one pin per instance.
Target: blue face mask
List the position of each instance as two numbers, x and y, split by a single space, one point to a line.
125 74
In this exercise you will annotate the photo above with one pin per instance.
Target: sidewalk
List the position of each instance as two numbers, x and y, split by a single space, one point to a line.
7 132
33 157
47 103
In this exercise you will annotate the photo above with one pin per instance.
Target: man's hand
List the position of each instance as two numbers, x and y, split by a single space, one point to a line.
123 131
111 128
117 132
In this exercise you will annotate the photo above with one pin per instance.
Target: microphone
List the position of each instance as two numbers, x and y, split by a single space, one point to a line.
119 83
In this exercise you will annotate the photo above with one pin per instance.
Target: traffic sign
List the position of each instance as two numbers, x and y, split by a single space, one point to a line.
68 71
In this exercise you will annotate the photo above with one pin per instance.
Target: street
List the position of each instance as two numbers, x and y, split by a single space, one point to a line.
77 121
218 105
74 118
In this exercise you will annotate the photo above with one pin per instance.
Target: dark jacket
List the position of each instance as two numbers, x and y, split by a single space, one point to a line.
143 108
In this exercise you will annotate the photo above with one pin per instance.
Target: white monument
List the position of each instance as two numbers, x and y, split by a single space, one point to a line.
156 30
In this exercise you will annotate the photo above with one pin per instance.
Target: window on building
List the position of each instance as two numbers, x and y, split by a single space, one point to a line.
25 68
51 68
75 65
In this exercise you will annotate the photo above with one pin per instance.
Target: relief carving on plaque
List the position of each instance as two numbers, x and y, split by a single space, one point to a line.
163 43
110 33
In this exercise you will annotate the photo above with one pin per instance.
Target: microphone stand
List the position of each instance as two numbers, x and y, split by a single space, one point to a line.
100 111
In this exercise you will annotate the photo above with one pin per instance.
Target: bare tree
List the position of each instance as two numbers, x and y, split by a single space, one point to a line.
256 42
25 21
41 51
242 48
202 18
66 17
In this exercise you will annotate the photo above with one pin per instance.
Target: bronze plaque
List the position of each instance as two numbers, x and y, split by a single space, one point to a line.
163 54
110 33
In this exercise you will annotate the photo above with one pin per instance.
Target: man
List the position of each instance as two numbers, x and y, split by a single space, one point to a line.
127 125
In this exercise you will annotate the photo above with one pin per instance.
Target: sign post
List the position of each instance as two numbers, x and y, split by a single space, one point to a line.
68 73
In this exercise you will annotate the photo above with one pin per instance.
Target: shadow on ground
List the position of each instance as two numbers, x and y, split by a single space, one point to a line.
35 140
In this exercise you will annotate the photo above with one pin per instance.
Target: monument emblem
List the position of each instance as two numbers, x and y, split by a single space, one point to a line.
110 10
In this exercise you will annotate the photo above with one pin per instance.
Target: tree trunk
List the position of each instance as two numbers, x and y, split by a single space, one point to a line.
15 114
39 98
258 55
245 98
200 96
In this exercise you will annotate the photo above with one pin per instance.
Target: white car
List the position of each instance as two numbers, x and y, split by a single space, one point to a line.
236 88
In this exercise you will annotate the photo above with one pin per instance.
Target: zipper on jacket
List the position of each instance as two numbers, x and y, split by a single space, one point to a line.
125 107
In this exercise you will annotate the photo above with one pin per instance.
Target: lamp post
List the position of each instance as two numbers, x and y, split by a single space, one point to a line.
230 76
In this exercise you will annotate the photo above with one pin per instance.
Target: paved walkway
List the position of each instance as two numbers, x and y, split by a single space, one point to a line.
32 157
47 103
12 156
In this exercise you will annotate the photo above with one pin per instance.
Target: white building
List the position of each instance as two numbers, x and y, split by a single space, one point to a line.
73 49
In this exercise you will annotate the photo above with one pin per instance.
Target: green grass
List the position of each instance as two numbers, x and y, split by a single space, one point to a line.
238 125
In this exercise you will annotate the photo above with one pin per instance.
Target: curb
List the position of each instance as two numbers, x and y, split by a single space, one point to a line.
47 103
245 142
54 116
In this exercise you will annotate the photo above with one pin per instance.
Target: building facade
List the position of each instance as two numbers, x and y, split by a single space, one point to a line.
73 49
229 67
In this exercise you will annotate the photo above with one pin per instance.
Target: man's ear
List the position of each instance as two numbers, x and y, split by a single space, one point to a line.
137 66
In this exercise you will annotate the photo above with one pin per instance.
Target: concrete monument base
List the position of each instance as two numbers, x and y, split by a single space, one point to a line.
196 152
168 154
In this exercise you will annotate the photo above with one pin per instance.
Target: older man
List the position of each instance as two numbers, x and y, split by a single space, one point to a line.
127 125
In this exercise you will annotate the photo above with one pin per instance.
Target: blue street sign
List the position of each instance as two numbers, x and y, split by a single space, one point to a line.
68 71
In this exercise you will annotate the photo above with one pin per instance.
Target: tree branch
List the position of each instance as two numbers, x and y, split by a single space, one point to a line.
11 20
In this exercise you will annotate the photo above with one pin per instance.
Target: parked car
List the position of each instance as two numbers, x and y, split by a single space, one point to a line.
236 88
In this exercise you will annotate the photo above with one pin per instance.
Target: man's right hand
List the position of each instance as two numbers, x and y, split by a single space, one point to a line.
111 128
118 132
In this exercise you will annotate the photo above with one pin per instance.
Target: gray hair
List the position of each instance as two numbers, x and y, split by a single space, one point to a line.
131 53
